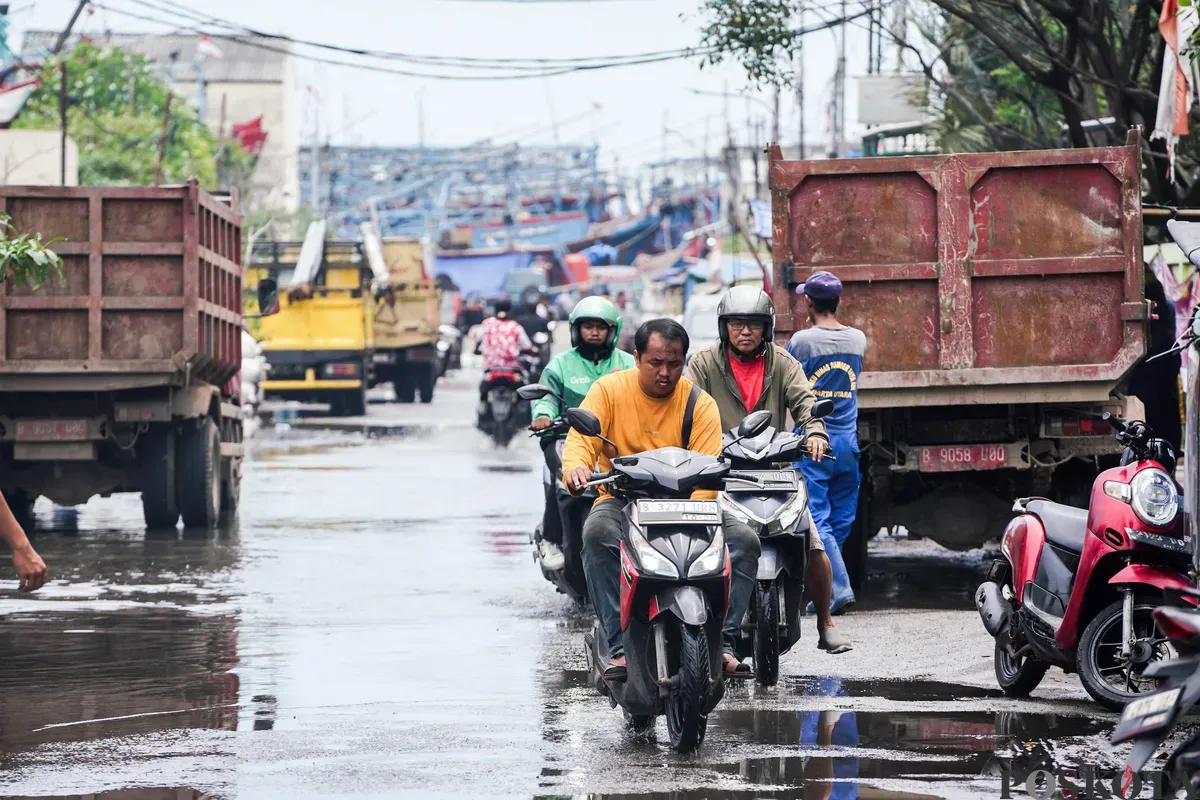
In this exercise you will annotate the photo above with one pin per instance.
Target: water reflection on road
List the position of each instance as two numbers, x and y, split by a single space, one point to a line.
373 624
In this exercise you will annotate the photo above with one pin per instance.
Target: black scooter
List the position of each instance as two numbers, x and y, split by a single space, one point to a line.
764 491
573 509
674 585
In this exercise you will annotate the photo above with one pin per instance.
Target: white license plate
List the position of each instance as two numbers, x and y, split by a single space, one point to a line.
52 430
668 512
771 480
1150 705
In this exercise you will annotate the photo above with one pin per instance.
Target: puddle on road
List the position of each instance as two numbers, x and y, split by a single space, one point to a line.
154 793
915 582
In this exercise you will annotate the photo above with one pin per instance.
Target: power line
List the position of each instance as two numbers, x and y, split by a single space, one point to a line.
463 61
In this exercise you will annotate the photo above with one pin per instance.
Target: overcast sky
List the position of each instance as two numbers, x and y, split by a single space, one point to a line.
381 109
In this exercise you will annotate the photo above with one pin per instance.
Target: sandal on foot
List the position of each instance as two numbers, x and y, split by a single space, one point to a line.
831 639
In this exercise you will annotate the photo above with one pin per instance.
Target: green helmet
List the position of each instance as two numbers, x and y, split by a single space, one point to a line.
600 309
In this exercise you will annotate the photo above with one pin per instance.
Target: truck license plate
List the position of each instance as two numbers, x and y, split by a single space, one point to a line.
51 430
963 458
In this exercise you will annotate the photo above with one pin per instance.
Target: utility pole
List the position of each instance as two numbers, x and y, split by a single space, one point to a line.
62 37
839 91
315 166
62 121
775 117
162 141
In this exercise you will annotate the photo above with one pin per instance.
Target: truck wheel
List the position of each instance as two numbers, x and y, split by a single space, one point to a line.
425 381
20 503
156 451
854 551
231 487
200 473
405 384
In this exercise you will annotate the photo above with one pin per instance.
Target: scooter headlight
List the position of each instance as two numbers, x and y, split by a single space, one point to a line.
650 560
726 503
792 510
1155 500
709 562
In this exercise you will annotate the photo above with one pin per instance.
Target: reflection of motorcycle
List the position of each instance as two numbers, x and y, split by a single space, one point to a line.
573 509
1076 587
766 493
674 585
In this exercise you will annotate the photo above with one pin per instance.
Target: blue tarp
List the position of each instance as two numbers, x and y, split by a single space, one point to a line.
601 255
480 273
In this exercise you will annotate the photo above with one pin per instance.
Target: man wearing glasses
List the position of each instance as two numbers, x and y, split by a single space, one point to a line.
744 372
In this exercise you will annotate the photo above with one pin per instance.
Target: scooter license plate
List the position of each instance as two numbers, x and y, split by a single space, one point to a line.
673 512
1153 712
762 480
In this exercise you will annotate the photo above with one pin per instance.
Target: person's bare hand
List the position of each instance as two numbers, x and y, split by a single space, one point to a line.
541 423
817 448
30 569
577 479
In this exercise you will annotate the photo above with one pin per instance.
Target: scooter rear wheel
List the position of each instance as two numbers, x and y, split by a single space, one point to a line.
1017 677
686 719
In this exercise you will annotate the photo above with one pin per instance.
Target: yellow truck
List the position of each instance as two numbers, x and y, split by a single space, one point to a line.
407 316
353 315
319 346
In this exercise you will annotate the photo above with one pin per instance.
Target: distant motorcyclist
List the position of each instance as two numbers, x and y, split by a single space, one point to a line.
744 372
501 340
529 318
595 328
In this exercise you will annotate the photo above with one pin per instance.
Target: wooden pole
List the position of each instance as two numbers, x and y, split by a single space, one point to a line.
62 121
162 142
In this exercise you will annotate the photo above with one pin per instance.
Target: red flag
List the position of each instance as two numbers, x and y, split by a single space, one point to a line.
250 135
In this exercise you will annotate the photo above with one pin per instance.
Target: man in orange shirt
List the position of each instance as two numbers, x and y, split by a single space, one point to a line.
644 409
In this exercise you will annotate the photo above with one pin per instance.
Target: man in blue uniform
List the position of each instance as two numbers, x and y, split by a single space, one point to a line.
832 355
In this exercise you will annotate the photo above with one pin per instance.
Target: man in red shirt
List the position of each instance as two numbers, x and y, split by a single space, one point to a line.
744 372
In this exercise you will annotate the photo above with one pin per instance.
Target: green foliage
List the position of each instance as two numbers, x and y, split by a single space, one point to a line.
756 33
26 258
115 115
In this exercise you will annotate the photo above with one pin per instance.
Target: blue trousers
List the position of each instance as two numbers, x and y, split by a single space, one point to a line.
833 501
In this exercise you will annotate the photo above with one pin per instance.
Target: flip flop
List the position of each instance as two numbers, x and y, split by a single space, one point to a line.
832 640
615 673
741 672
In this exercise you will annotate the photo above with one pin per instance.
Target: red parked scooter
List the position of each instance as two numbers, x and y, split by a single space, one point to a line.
1099 571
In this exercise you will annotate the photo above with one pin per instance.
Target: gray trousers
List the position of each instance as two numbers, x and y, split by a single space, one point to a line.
602 565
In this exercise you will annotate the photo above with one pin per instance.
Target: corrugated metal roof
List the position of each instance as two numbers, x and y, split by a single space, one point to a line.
245 59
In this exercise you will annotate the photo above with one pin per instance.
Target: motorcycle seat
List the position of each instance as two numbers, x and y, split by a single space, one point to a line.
1066 526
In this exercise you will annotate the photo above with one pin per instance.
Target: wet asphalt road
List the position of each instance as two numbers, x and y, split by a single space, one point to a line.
373 626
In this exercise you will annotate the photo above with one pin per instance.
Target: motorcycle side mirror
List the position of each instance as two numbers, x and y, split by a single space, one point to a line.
534 391
822 408
754 424
585 422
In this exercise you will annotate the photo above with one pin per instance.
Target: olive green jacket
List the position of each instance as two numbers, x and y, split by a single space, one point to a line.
785 388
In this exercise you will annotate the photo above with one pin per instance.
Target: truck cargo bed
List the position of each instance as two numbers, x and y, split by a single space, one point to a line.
151 288
978 278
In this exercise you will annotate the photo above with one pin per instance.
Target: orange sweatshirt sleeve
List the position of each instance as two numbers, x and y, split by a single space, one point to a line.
584 451
706 435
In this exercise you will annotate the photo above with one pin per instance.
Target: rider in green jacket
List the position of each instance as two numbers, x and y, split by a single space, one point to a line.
595 329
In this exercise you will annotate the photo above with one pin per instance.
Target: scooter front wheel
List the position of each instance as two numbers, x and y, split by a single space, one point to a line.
766 633
1017 676
1110 677
686 719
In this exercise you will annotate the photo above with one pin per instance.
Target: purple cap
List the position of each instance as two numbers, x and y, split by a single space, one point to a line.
821 286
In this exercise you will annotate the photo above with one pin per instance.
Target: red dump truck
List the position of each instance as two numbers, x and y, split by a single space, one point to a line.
122 377
1003 303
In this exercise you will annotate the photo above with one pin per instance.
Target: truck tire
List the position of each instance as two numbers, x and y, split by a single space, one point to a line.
404 383
854 551
426 378
231 487
156 451
200 473
354 402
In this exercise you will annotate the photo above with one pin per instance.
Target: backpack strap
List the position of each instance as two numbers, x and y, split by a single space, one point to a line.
687 415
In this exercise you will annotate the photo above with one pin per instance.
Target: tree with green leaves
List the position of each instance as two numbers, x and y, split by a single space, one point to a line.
116 106
1008 74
